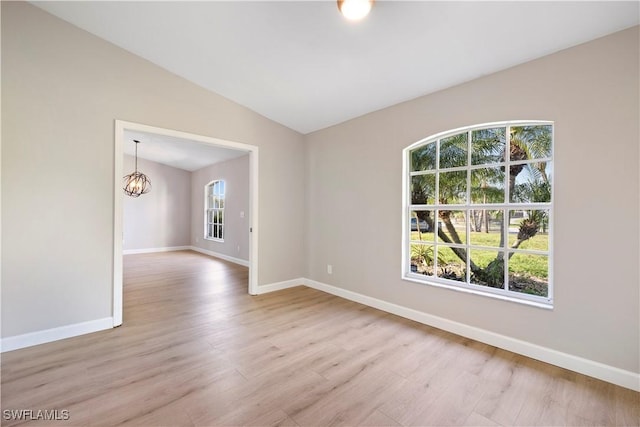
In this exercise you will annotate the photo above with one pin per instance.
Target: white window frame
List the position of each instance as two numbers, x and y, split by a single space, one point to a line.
408 208
214 215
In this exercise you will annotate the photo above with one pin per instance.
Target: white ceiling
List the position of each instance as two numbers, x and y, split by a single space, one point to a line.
302 64
177 152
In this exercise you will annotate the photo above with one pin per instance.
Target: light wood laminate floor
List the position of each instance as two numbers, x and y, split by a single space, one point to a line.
196 349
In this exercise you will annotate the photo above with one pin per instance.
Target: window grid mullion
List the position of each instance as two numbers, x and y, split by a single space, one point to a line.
488 206
467 207
436 212
467 221
407 220
505 214
484 166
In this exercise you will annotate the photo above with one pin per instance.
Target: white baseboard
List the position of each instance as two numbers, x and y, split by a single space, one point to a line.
584 366
272 287
152 250
54 334
219 255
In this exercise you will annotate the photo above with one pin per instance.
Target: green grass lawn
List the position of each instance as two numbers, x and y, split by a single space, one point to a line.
522 264
538 242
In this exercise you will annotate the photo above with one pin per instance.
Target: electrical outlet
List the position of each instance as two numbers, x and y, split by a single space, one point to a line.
238 248
197 239
329 269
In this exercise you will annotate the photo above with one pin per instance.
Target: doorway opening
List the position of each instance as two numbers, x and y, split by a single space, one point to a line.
121 128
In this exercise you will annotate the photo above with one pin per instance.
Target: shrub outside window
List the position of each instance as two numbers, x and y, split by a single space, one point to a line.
214 194
478 210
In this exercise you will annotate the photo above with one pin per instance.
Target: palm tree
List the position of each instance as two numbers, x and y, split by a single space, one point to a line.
488 147
525 143
528 143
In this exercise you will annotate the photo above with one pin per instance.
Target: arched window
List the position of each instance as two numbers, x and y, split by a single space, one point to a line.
214 210
479 210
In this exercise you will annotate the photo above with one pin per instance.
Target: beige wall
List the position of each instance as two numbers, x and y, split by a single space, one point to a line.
591 92
235 173
62 89
162 217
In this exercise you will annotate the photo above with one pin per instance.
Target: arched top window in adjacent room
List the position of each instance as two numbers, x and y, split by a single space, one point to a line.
214 196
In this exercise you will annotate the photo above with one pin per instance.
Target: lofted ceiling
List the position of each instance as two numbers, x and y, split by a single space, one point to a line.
300 63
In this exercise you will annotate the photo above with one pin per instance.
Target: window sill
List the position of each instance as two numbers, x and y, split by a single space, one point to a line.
545 303
213 239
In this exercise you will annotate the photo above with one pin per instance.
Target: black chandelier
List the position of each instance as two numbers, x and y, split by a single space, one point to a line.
137 183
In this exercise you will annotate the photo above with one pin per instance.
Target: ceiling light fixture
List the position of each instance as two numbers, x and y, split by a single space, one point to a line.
355 10
137 183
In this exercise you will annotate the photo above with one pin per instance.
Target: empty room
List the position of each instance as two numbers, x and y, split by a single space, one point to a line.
310 213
